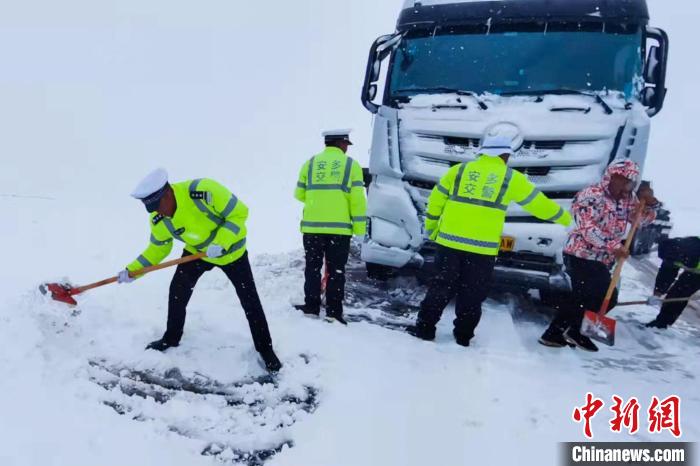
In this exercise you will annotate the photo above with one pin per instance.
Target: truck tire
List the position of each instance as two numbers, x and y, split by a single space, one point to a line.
378 271
555 299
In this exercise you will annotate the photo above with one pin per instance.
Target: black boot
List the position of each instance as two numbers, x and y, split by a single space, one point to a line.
656 324
161 345
553 337
272 363
336 317
461 341
575 338
308 310
422 332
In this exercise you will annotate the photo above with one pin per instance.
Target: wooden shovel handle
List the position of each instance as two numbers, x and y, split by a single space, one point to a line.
665 301
142 272
618 267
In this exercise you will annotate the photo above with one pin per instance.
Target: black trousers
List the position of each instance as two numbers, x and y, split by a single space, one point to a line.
240 275
590 281
686 285
336 250
678 250
463 275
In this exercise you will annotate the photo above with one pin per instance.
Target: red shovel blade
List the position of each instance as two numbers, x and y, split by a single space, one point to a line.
599 328
59 292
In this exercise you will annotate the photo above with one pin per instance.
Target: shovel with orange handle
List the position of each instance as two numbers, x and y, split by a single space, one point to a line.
64 293
324 278
660 301
596 325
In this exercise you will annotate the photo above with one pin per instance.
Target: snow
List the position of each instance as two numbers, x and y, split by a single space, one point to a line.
94 97
614 99
411 3
383 397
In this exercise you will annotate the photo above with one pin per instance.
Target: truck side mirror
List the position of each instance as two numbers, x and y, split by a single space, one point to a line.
649 97
652 67
381 49
655 65
372 92
376 71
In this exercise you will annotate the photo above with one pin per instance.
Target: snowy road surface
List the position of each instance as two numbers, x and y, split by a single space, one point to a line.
78 389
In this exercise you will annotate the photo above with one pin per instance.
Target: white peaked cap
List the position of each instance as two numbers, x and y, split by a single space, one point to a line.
502 135
152 183
336 133
496 145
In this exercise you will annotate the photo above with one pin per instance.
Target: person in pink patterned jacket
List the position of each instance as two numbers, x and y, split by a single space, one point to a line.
603 215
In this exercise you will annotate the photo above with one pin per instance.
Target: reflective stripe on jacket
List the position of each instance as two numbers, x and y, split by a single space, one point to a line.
207 213
692 269
331 186
467 208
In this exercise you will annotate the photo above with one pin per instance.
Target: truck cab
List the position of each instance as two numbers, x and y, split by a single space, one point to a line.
581 80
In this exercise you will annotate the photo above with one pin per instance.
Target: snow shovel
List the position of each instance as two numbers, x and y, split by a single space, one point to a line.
664 301
324 279
64 293
596 325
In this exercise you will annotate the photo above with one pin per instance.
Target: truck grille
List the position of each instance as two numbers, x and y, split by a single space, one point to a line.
525 219
530 171
464 142
534 171
549 145
476 142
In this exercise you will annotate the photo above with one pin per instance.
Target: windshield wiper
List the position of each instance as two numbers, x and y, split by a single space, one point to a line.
564 91
443 90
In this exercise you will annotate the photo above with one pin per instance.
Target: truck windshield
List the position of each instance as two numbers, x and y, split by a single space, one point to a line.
514 62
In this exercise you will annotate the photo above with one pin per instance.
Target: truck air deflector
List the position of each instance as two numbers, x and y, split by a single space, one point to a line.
431 14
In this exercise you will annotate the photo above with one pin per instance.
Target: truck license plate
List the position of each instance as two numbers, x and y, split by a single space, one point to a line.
507 243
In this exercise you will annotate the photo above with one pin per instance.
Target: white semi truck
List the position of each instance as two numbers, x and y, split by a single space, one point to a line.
581 79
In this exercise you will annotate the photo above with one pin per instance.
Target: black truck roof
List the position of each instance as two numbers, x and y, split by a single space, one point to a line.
430 13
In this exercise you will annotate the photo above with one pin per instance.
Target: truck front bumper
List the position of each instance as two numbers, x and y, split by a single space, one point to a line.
530 279
512 270
375 253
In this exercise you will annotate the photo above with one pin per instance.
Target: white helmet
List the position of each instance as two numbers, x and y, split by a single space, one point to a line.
502 138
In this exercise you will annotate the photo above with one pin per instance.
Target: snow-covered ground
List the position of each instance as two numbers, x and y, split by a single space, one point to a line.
93 96
78 388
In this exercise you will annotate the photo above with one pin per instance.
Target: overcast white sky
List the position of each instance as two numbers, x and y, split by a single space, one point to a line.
93 94
673 161
164 78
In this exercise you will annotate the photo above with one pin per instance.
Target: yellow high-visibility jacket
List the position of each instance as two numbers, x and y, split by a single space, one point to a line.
331 186
207 213
467 208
